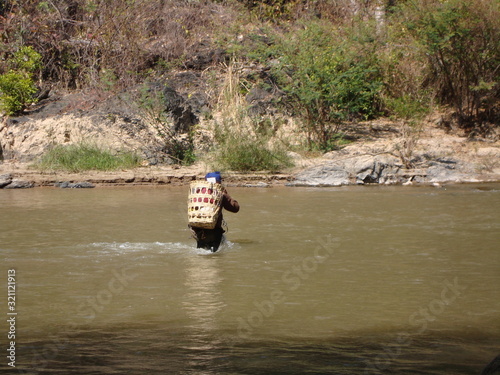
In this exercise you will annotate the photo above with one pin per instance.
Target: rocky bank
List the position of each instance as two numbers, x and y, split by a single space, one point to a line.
380 153
435 158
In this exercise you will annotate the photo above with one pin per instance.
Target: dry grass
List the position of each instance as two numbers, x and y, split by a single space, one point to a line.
114 45
84 43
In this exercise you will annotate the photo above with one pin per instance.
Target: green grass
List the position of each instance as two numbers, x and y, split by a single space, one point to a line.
241 153
84 157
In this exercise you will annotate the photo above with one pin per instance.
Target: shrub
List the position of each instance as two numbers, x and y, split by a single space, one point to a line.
406 108
17 86
404 70
84 157
26 59
461 40
278 11
274 10
243 144
79 39
326 83
16 92
242 152
409 111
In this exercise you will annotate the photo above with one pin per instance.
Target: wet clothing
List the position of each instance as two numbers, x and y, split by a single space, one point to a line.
210 239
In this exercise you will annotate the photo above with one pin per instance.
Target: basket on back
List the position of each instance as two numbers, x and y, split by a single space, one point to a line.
204 204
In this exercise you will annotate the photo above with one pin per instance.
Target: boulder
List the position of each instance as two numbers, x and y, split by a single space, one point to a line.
5 179
372 169
180 111
323 175
19 184
74 185
259 101
364 169
450 170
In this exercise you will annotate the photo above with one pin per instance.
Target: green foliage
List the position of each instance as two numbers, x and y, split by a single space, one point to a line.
44 6
461 40
275 10
17 86
84 157
243 152
244 143
26 59
335 142
329 57
181 149
326 83
406 107
108 79
16 92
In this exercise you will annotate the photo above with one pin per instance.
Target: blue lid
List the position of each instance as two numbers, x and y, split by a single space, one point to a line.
215 175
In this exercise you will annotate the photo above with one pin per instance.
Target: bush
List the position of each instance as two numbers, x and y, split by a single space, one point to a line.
327 83
26 59
240 152
17 86
79 39
279 11
275 10
461 40
406 108
242 143
84 157
16 92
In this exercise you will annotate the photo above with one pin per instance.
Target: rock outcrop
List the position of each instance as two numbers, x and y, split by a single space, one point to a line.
7 181
74 185
386 170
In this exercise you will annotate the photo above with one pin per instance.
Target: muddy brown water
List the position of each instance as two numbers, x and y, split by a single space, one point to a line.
349 280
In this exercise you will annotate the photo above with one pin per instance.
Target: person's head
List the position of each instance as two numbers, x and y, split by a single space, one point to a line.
213 177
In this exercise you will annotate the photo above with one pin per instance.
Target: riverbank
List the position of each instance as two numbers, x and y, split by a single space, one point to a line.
22 175
436 158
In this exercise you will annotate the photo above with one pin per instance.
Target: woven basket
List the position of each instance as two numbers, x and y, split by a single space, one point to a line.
204 204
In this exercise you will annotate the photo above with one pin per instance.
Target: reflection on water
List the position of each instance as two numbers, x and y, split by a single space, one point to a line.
148 349
202 302
326 281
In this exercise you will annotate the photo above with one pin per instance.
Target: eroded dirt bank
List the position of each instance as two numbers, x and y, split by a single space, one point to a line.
438 158
380 151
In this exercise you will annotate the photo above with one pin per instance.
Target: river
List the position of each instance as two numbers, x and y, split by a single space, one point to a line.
348 280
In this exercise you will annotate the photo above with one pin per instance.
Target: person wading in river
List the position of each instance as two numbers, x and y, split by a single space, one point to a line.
210 239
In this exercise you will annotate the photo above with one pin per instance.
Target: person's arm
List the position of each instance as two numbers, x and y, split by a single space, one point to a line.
229 203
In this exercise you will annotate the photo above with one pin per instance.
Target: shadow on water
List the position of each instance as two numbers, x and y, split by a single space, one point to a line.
149 348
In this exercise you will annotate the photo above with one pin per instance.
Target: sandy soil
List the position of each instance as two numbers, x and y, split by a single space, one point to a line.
26 138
